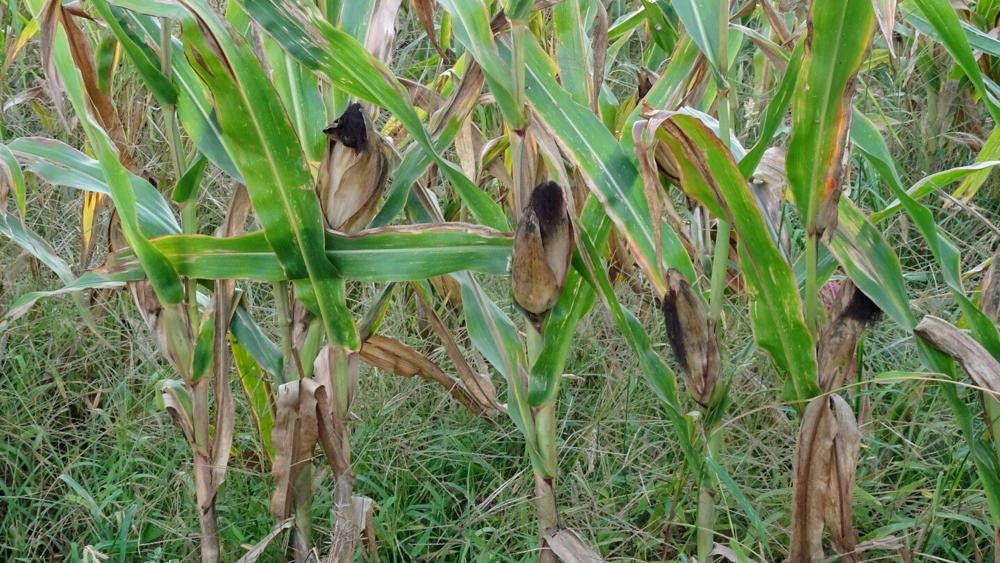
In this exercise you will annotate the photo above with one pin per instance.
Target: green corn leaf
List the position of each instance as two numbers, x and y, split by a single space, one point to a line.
89 280
320 47
35 245
871 263
268 155
707 22
300 94
377 255
251 338
257 390
472 29
944 251
709 174
161 275
62 165
942 17
414 164
611 174
193 107
572 49
837 42
13 177
187 186
145 62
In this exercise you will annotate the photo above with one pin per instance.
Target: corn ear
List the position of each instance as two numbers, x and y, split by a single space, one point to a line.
542 250
692 336
353 171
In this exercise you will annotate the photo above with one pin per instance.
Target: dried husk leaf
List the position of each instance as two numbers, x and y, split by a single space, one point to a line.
295 432
257 550
170 393
382 30
364 511
542 250
836 347
826 454
353 171
479 386
570 548
843 471
981 366
691 334
989 300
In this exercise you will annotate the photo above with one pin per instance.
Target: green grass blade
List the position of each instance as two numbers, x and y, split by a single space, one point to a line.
11 174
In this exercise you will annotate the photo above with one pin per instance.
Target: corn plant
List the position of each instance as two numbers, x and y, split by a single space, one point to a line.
340 186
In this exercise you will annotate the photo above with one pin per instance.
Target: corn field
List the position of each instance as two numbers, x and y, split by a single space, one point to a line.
761 200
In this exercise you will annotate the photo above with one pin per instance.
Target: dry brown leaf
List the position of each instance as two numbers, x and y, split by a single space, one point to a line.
425 13
364 511
570 548
175 408
257 550
777 22
769 184
728 554
382 30
811 474
477 385
223 308
981 366
237 213
393 356
599 47
885 14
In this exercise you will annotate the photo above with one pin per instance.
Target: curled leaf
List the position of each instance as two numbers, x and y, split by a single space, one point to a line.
392 355
981 366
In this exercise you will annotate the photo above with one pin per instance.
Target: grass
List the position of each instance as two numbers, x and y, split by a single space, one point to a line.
89 460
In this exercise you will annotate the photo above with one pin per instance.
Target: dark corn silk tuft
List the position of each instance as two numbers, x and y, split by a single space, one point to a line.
543 245
861 308
353 171
349 128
